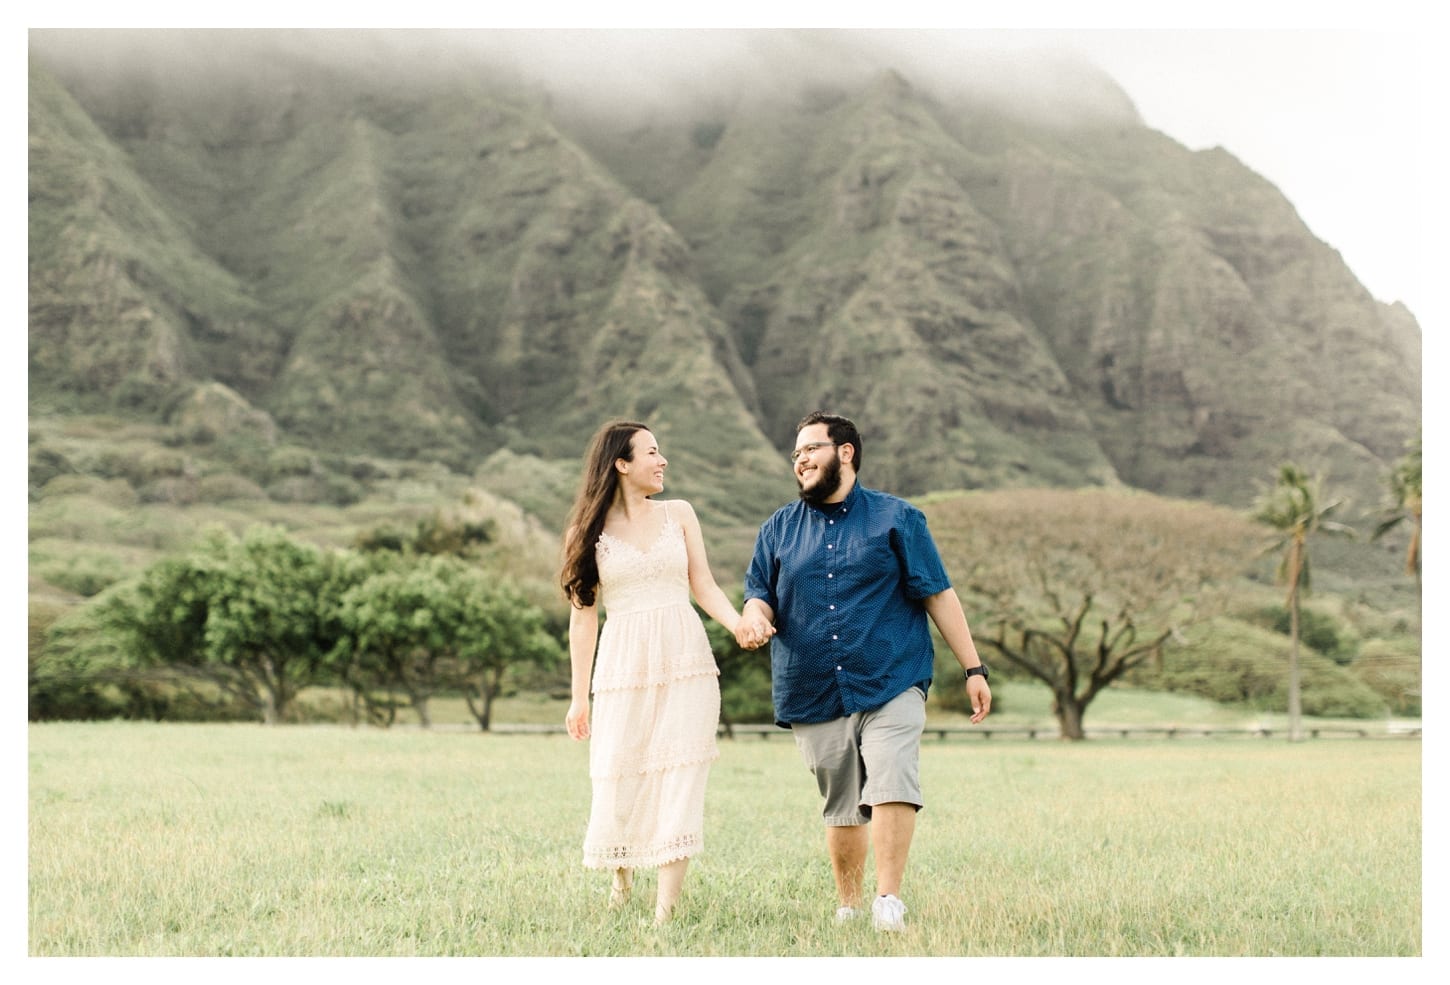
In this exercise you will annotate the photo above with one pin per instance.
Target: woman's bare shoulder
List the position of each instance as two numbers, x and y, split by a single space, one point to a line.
681 506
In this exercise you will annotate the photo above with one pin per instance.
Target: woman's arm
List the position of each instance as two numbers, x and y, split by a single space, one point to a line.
583 634
710 595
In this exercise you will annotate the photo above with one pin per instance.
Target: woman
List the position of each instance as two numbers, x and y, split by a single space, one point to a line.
655 683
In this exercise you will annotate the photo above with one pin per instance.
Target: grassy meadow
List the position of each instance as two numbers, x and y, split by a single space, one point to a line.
220 840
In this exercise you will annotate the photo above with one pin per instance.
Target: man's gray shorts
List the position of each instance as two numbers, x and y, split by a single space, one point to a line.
867 758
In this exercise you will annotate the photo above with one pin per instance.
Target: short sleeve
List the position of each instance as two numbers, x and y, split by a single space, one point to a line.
923 573
760 576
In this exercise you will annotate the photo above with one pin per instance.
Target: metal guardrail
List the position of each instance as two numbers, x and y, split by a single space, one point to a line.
945 732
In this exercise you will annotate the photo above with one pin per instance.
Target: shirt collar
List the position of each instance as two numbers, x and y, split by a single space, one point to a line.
836 509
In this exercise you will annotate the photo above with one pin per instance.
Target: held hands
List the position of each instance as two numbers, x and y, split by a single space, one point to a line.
753 631
577 720
980 697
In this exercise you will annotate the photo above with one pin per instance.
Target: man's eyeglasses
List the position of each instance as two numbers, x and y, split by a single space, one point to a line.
810 448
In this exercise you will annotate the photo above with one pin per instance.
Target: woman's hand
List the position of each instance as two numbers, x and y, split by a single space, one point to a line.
753 630
577 720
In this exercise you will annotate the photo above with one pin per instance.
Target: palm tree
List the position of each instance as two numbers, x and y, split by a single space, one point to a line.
1404 483
1292 508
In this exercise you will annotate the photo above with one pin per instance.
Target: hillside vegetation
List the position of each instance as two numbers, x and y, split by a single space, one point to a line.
419 258
335 289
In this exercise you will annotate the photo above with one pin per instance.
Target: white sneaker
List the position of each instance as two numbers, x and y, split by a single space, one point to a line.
846 914
888 914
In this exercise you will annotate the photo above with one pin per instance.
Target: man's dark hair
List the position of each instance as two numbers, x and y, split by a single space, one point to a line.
840 429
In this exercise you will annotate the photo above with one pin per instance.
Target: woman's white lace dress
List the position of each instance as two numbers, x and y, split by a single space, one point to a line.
656 708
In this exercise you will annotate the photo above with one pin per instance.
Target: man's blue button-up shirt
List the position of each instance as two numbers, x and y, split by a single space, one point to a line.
846 582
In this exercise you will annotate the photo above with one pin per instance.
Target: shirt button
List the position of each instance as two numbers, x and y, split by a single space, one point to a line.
830 576
830 547
831 607
835 637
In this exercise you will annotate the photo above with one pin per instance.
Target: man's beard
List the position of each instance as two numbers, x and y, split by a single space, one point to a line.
828 480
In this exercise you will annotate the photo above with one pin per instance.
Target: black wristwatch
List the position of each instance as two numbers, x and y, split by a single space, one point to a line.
974 671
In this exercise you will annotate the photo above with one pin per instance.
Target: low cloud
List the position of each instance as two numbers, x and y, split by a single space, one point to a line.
638 73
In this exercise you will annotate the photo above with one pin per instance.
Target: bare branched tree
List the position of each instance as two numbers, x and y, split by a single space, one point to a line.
1078 588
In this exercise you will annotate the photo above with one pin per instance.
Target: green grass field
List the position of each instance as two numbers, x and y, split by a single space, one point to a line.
216 840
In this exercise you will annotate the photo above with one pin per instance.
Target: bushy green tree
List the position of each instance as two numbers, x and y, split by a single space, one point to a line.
434 534
1320 632
1242 663
65 682
505 632
425 625
253 615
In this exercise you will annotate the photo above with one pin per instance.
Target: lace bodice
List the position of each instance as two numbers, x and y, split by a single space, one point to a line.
631 580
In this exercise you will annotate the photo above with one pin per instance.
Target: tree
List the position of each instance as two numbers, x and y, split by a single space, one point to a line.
85 670
438 533
1292 507
505 632
251 615
744 677
1077 588
1405 504
393 638
430 624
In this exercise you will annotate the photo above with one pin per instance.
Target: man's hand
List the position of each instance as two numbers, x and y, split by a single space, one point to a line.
753 630
980 696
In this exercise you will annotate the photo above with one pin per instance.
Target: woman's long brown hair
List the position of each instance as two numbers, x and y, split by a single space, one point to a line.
580 575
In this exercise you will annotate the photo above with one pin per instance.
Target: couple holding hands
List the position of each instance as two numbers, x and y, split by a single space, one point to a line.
841 586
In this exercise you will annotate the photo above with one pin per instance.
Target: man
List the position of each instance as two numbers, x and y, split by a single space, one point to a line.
844 581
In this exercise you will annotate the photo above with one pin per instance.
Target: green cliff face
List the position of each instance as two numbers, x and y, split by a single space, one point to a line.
431 260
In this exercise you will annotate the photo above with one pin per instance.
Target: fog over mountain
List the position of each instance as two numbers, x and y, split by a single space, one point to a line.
633 74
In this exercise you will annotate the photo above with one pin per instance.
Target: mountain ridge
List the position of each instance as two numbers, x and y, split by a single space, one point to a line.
436 260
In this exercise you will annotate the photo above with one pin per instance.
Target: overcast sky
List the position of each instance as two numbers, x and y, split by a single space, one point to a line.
1333 118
